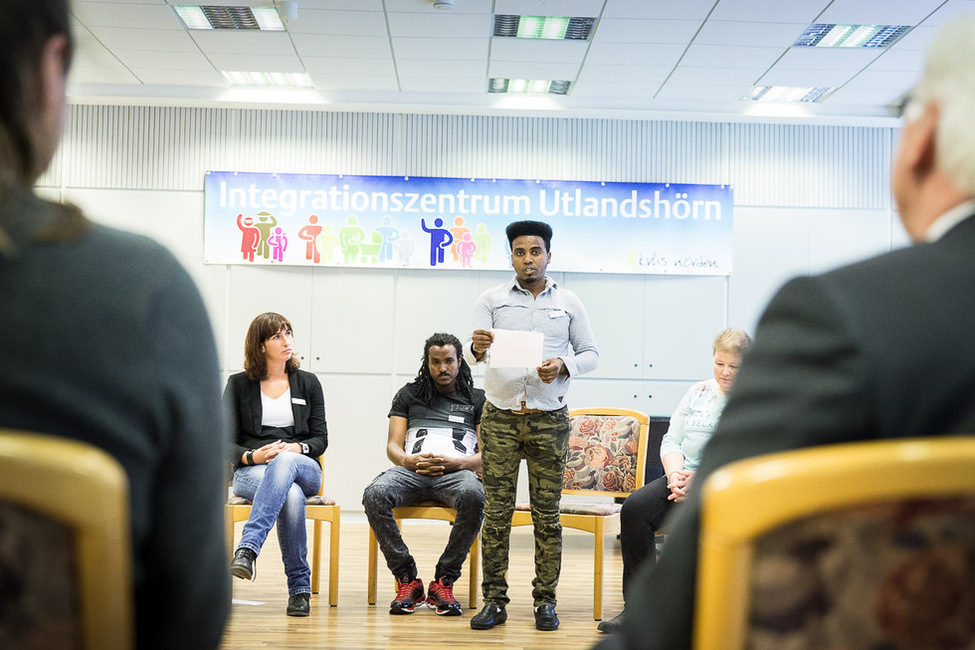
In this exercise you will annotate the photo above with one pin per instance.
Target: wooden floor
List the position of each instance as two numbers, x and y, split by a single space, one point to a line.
258 617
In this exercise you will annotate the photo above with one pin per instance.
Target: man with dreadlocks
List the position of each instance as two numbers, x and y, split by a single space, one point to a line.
434 424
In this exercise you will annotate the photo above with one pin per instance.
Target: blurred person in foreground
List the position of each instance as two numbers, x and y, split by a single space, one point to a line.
878 349
107 341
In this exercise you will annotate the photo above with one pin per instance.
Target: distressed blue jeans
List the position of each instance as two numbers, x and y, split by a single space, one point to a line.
278 491
400 487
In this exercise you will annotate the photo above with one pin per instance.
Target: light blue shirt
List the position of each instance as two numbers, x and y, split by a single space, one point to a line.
694 422
560 316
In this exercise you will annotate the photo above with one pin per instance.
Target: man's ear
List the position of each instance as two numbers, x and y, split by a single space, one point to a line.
923 141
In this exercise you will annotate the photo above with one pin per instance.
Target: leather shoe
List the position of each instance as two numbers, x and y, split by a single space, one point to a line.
545 618
489 616
613 625
298 605
242 565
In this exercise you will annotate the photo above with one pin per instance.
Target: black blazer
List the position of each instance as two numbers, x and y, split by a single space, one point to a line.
880 349
242 398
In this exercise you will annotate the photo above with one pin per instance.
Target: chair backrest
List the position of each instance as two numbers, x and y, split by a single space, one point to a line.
868 544
607 451
83 577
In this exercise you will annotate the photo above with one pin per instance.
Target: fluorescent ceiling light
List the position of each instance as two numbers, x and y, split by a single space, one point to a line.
804 94
544 27
221 17
269 79
832 35
528 86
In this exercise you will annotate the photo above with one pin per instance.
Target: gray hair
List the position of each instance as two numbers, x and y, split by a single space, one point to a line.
949 82
733 340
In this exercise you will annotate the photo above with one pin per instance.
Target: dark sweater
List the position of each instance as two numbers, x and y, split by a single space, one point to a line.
106 340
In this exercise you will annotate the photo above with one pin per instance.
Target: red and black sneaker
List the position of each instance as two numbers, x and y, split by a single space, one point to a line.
408 596
440 596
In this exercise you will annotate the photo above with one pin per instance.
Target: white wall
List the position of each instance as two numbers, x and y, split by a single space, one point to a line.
806 199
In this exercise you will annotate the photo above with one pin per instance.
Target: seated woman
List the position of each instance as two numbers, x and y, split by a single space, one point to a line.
278 420
690 428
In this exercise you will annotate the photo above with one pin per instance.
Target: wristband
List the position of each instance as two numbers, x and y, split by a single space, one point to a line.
249 458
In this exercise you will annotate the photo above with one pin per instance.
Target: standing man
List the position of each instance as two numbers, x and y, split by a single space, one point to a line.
874 350
526 416
433 430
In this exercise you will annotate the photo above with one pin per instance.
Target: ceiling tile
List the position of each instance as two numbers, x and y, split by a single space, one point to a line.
125 14
435 84
440 24
907 61
618 30
164 40
346 47
541 51
713 76
864 96
754 34
919 38
772 11
699 92
448 68
354 82
949 11
812 78
625 74
160 77
819 58
363 5
244 42
426 6
878 12
351 23
171 61
589 8
596 88
731 56
648 54
658 9
525 70
346 67
441 48
897 80
84 75
256 63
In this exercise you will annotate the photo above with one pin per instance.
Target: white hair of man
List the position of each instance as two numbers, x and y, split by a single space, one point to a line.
949 83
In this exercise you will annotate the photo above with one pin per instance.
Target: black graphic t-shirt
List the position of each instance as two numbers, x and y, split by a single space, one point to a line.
445 428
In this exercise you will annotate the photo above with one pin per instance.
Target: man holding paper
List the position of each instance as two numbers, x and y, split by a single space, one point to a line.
524 329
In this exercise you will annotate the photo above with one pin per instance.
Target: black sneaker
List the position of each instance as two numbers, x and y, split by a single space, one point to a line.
409 594
299 605
244 564
613 625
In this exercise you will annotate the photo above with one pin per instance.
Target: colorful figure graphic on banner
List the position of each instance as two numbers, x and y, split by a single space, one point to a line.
371 251
265 221
310 234
440 238
250 237
404 249
350 239
389 234
465 249
458 231
483 241
278 243
326 242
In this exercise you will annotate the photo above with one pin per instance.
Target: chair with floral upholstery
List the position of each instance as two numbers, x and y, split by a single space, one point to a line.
859 545
607 458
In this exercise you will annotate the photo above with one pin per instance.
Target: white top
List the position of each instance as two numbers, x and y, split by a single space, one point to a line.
277 412
949 220
694 422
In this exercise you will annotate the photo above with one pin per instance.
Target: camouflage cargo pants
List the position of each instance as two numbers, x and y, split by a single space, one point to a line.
542 440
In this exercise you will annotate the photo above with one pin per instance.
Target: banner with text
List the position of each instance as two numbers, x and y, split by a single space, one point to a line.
458 223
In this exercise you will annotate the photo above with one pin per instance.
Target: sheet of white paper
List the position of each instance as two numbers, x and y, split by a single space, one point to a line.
516 349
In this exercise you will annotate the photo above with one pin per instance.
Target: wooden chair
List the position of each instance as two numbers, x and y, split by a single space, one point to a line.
49 484
317 508
607 458
427 510
867 544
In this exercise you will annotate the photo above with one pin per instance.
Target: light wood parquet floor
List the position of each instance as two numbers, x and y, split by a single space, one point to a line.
258 617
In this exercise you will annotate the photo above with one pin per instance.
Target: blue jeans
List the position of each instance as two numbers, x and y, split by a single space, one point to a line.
278 491
400 487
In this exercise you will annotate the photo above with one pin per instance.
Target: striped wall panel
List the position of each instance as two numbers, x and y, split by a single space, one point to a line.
768 164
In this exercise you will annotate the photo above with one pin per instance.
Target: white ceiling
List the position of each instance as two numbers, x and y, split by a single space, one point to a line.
645 59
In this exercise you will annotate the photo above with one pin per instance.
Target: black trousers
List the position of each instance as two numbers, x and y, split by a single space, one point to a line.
640 519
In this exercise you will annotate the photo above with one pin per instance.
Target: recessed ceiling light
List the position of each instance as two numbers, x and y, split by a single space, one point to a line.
528 86
269 79
545 27
832 35
220 17
804 94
